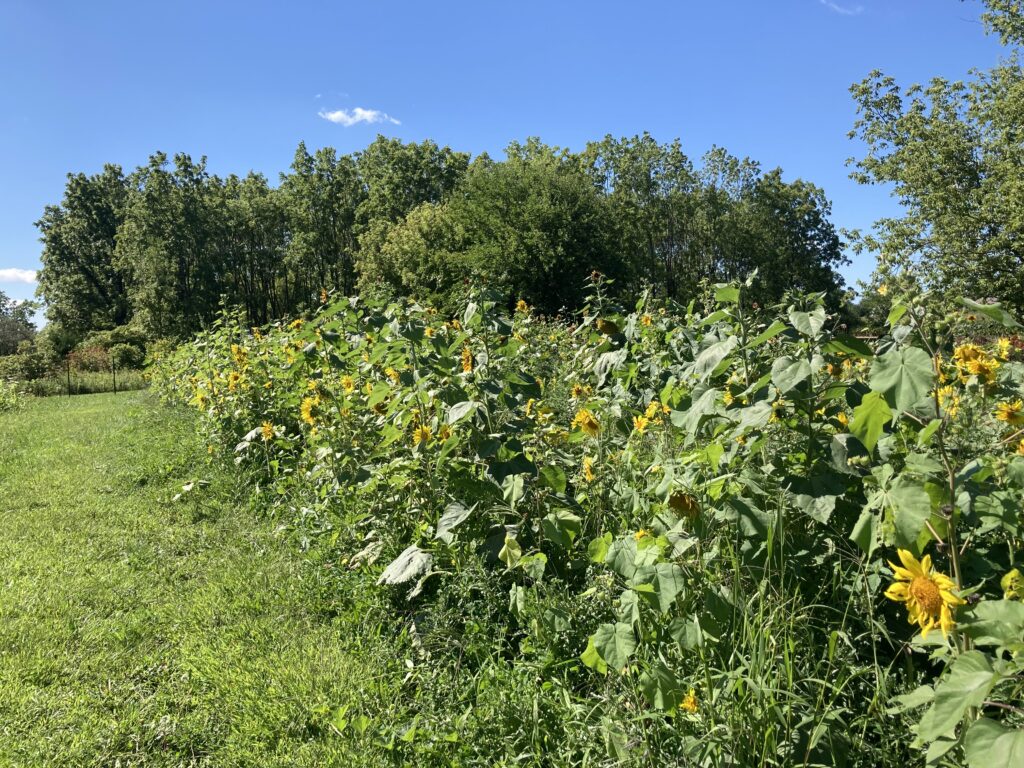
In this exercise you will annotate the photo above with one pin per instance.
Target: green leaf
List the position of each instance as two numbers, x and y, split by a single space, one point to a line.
615 643
661 688
562 527
459 411
592 658
911 506
511 553
993 312
896 314
989 744
808 323
454 514
597 550
788 373
869 419
413 562
850 346
865 532
770 332
903 375
727 294
667 582
553 476
995 623
925 435
968 683
686 633
709 359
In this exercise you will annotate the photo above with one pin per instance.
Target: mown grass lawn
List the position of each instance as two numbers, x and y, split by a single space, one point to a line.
140 631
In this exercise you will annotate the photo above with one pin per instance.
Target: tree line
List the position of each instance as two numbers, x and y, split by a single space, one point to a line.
162 248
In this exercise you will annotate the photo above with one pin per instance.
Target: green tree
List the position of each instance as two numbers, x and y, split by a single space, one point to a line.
954 155
83 286
15 323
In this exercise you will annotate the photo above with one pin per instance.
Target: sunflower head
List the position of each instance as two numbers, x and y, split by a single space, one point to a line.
928 594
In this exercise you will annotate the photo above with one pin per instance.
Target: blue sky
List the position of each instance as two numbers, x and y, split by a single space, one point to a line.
82 84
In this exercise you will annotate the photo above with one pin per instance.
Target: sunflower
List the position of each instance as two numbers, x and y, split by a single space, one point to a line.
652 409
348 384
268 431
646 321
306 410
949 400
1003 347
1011 413
689 703
640 424
927 593
577 391
421 434
588 469
467 360
586 421
522 306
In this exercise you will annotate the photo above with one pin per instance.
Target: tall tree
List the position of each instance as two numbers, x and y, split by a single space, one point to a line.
15 323
82 285
954 155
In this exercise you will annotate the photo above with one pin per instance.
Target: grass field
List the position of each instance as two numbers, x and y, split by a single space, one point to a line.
140 631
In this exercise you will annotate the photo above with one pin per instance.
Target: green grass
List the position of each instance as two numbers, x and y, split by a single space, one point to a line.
140 631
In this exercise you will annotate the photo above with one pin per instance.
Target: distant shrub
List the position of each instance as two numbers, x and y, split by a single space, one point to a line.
9 396
125 356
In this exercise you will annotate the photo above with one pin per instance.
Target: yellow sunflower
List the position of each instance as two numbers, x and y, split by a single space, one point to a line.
421 434
467 360
586 421
927 593
268 430
689 703
1011 413
588 469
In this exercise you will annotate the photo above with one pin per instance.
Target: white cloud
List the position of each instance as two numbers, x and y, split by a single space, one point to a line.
15 275
348 118
855 10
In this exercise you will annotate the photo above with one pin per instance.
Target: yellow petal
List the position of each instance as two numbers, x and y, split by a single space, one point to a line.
926 564
900 573
899 591
909 562
949 598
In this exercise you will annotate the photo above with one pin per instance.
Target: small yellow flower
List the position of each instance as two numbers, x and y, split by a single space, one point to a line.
295 324
529 406
323 295
652 409
1011 413
1012 585
577 391
392 374
727 398
421 434
268 431
949 400
588 469
234 379
643 533
239 355
646 321
444 432
640 424
586 421
928 594
306 409
883 290
1003 347
689 703
1020 448
842 418
467 359
348 384
522 306
455 325
311 385
428 331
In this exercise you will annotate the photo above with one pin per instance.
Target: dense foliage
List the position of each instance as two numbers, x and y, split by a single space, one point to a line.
163 248
661 535
954 157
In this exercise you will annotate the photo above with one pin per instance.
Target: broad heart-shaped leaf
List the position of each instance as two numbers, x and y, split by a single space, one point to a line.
995 622
615 643
562 527
413 562
667 580
661 688
869 419
553 476
911 507
968 683
459 411
454 514
709 359
686 632
788 373
989 744
903 375
993 312
808 323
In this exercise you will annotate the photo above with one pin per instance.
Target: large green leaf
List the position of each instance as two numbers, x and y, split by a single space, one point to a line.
903 375
869 419
989 744
808 323
787 373
412 563
968 683
562 527
667 581
662 688
993 312
709 359
911 507
615 643
865 532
